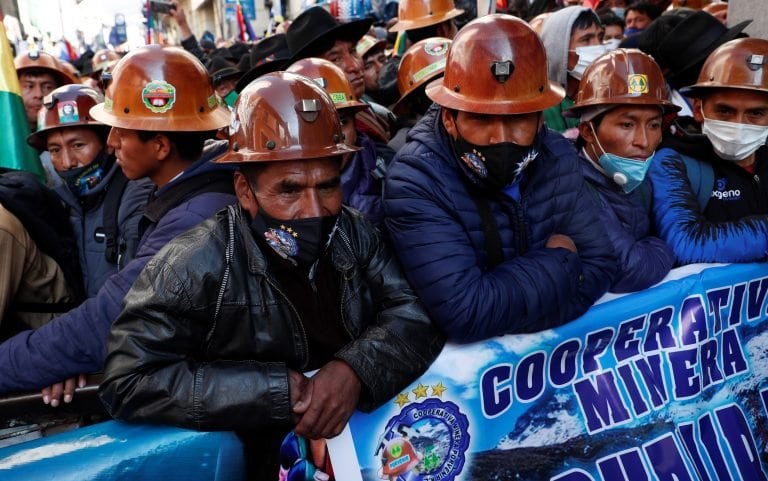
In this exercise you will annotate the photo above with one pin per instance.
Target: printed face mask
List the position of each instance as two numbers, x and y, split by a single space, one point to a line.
734 141
301 241
587 55
494 166
82 180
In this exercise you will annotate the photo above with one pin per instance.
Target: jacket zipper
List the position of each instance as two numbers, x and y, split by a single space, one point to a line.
300 326
348 244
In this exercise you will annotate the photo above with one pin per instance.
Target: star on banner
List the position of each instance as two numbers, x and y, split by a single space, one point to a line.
420 391
402 399
438 389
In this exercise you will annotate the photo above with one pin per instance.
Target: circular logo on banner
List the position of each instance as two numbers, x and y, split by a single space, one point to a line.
425 442
159 96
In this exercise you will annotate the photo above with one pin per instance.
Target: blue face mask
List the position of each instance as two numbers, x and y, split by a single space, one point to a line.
619 11
628 32
627 173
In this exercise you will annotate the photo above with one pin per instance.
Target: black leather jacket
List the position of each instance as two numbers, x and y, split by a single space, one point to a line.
206 334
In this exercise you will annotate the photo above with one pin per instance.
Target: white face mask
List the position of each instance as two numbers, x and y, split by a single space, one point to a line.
587 55
734 141
612 44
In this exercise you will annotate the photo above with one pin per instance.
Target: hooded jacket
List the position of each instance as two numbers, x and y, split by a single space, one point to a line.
556 37
76 342
86 215
439 237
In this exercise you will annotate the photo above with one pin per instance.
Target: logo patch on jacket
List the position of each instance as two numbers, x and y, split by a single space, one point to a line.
722 192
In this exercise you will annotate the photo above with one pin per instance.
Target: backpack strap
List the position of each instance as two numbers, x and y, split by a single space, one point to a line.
110 210
701 175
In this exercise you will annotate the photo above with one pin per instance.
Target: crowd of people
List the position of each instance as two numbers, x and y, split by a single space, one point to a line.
320 201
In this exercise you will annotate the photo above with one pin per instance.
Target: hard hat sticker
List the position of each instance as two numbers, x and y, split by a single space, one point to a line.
159 96
68 112
338 97
436 48
637 83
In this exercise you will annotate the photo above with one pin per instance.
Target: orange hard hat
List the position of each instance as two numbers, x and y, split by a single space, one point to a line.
496 65
368 43
67 106
332 79
694 4
739 64
424 61
284 116
159 88
36 60
413 14
104 59
622 77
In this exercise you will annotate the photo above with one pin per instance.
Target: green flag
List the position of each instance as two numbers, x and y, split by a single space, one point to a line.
15 153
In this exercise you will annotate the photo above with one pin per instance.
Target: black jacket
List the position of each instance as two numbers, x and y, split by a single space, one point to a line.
206 336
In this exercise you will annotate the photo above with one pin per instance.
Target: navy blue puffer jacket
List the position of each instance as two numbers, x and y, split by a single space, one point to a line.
439 238
644 260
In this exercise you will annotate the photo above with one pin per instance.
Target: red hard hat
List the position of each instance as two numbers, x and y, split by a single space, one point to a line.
284 116
332 79
67 106
496 65
35 60
739 64
622 77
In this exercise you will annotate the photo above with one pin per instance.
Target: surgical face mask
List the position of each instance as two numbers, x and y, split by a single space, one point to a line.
612 44
734 141
587 55
619 11
625 172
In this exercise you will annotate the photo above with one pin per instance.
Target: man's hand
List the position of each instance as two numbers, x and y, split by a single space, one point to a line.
560 240
178 14
332 397
300 390
52 394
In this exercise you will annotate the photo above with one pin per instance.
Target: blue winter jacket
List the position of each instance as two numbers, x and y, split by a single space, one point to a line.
361 180
644 260
86 215
76 342
439 238
679 216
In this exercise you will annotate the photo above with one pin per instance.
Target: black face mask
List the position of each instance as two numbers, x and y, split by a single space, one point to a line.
494 166
82 180
301 241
